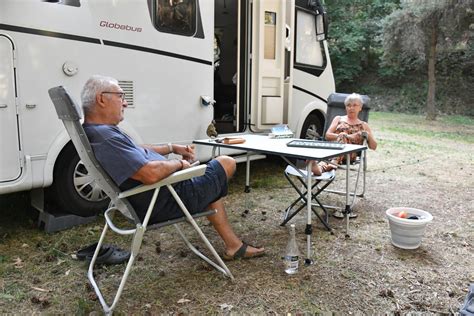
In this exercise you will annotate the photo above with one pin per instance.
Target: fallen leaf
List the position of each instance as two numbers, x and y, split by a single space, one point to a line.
18 263
183 301
226 306
42 301
67 272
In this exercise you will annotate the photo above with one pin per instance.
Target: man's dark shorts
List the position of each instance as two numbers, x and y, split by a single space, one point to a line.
196 194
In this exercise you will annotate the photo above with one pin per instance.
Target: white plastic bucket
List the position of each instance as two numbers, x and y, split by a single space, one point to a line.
407 233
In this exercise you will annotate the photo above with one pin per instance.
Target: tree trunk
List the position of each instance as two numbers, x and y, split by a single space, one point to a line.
430 102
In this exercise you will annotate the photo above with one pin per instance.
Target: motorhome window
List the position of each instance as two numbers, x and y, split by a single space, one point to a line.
73 3
270 35
176 16
308 49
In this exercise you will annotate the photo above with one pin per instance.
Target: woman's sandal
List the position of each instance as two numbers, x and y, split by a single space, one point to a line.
242 253
338 214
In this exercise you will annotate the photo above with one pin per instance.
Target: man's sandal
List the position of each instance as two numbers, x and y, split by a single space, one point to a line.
242 253
108 254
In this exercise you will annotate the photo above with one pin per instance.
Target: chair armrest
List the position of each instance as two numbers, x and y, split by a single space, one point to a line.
178 176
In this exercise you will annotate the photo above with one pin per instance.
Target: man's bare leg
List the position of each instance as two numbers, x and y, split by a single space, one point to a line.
220 220
223 228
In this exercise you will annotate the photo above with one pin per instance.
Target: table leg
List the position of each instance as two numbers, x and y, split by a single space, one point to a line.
309 228
247 174
348 206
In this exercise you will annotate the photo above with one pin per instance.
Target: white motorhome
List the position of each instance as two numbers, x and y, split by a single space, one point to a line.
263 62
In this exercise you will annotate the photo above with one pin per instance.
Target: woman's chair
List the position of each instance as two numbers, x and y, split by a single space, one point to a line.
70 115
335 108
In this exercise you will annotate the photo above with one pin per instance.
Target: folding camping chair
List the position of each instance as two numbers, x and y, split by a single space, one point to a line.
335 108
293 172
69 113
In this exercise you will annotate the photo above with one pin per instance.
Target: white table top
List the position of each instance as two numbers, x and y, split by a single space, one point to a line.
265 145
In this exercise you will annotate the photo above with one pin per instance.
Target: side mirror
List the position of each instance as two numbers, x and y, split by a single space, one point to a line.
321 20
320 27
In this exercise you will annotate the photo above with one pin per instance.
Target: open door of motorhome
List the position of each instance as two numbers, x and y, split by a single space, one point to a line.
10 166
271 56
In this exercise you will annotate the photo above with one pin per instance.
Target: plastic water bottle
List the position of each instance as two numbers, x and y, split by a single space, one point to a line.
292 254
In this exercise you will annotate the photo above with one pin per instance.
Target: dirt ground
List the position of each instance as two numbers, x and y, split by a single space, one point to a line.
420 164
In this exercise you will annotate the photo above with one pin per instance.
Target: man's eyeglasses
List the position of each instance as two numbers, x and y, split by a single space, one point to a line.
352 105
121 95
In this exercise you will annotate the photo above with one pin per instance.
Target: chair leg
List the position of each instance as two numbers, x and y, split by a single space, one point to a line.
136 244
221 266
287 217
352 193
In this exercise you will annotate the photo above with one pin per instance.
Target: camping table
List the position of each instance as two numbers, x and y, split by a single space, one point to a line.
264 145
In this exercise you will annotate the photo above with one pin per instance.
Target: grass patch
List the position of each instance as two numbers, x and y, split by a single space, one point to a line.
458 120
454 135
416 125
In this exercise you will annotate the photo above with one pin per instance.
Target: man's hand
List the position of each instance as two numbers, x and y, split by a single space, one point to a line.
188 164
186 151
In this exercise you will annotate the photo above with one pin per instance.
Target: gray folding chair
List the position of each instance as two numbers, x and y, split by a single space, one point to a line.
335 108
70 115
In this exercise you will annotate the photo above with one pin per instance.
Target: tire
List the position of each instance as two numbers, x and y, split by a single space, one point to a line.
312 127
72 192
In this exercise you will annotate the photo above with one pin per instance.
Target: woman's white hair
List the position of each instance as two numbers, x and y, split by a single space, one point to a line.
95 85
351 98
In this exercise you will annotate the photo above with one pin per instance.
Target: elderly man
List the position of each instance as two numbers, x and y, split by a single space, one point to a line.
129 165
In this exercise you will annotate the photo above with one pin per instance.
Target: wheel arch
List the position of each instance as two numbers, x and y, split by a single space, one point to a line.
59 144
316 107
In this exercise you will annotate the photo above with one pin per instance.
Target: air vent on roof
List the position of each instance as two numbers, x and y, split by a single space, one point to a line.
127 87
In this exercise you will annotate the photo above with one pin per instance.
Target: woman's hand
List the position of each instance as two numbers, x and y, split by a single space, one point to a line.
342 135
372 142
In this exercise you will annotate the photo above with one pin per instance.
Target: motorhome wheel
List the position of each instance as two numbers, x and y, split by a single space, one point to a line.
312 127
72 189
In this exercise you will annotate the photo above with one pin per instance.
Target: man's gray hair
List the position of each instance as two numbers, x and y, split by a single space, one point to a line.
353 97
95 85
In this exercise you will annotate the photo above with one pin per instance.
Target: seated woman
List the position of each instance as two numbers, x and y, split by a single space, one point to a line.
347 129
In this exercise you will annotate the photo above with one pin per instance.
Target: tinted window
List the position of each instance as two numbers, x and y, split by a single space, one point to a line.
176 16
308 48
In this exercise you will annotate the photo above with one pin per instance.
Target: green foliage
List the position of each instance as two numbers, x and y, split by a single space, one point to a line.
407 32
354 31
386 41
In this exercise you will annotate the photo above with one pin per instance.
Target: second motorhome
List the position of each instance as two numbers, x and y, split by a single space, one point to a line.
244 65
